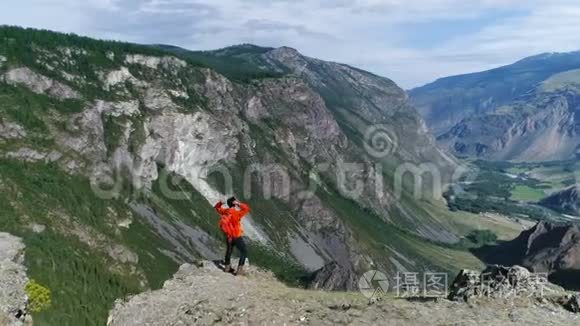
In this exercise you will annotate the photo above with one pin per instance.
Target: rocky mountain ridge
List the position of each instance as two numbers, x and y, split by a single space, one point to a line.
546 248
565 201
522 112
538 128
205 295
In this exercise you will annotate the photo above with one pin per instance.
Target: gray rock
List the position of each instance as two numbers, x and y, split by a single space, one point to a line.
115 77
202 294
552 248
334 277
573 303
499 282
13 280
85 134
37 228
10 130
31 155
152 62
157 99
39 84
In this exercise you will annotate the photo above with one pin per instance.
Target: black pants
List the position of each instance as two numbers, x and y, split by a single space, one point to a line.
241 245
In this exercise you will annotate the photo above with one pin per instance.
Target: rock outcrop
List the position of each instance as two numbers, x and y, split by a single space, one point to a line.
205 295
500 282
333 276
13 279
548 248
10 130
39 84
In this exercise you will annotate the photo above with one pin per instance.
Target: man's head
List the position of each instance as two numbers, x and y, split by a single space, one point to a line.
231 201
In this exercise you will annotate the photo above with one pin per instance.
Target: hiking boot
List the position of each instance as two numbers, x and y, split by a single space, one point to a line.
241 271
228 269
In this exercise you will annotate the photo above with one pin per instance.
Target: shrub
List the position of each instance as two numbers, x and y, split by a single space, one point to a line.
38 296
482 237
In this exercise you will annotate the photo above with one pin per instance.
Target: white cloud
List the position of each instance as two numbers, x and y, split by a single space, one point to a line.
367 33
547 28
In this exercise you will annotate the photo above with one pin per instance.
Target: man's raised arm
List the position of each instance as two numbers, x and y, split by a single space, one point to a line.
244 209
218 207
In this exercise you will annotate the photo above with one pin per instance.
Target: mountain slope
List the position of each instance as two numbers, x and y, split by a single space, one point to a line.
540 127
112 155
548 248
526 111
565 201
358 99
449 100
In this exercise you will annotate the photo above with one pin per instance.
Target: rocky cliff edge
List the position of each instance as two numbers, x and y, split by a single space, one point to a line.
203 295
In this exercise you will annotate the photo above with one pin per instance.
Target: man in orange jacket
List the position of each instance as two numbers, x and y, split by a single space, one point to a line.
230 225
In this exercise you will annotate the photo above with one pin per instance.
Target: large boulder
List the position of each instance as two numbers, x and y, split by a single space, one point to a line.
573 303
498 281
552 248
334 277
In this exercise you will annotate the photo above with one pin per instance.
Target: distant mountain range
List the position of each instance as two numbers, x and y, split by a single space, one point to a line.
527 111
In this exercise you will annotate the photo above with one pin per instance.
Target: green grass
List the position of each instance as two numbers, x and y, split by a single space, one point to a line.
84 280
562 81
23 107
527 193
494 191
35 113
83 289
286 269
551 176
464 222
157 267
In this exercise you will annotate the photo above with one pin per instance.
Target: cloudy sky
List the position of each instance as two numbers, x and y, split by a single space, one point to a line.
410 41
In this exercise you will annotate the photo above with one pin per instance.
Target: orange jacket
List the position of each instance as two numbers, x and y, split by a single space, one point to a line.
230 219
